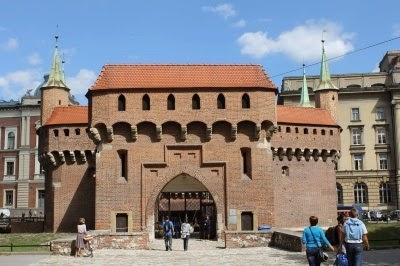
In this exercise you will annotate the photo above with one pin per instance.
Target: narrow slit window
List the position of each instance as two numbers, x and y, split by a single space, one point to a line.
246 161
66 132
123 158
121 103
221 101
146 102
171 102
245 101
195 102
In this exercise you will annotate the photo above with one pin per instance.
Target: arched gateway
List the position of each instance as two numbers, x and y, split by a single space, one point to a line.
186 197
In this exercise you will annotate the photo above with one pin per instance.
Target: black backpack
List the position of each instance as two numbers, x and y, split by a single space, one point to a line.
332 235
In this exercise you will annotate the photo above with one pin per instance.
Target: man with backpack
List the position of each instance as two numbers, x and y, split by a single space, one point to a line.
355 235
168 228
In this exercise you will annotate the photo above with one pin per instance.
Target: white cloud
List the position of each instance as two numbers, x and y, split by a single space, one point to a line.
13 85
301 43
376 68
240 23
396 30
34 59
224 10
80 83
10 44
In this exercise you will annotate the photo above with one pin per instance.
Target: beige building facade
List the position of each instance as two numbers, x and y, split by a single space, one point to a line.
369 114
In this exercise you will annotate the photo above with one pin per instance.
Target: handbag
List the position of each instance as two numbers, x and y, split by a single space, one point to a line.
341 260
322 256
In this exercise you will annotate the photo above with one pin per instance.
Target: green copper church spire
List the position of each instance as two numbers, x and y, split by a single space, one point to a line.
304 99
56 76
325 77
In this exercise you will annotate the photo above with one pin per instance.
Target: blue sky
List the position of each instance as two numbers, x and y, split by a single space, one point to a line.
280 35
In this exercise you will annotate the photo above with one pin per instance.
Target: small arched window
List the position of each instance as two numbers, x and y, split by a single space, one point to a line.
331 132
66 132
196 102
322 131
339 193
296 130
287 129
146 102
306 131
55 131
285 170
11 141
314 131
245 101
171 102
77 131
221 101
121 103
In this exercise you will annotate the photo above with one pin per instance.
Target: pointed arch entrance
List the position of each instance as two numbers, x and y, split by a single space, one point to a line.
186 197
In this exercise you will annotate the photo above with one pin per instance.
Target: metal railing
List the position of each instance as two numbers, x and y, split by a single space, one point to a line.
12 246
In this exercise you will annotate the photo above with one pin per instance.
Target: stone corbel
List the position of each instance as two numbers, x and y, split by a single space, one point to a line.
209 133
183 133
257 132
134 133
110 134
94 134
71 155
51 159
234 132
83 156
61 156
270 132
158 132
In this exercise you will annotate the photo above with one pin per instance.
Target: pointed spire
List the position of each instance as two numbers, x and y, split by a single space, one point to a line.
325 76
56 76
304 99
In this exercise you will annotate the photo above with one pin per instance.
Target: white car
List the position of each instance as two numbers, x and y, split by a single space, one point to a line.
4 213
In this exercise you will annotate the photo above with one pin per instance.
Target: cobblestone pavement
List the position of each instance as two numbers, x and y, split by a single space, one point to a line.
200 253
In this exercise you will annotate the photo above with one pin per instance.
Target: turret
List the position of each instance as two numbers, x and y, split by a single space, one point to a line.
326 94
304 98
55 91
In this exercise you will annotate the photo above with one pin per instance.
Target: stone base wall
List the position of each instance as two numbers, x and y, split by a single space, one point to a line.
235 239
27 227
104 240
290 241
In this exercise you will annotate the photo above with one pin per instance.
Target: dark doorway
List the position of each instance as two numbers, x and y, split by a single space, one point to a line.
121 222
247 221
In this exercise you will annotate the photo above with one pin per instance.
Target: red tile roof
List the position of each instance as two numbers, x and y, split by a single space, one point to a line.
182 76
68 115
304 116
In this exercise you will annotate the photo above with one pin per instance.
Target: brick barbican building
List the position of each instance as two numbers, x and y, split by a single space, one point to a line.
186 140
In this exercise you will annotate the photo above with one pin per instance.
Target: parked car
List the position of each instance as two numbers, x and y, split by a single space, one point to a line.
395 215
5 225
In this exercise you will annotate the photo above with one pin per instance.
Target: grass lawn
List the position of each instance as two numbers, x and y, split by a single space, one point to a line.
27 239
384 232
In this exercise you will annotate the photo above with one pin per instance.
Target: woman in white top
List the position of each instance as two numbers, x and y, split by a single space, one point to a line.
186 229
80 243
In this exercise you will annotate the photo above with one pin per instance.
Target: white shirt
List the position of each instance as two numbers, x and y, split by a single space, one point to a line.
364 232
81 228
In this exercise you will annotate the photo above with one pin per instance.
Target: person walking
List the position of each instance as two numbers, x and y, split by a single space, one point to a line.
355 238
168 228
207 227
80 243
314 239
186 230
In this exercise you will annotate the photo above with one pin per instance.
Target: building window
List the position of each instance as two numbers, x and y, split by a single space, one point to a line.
123 157
358 161
195 102
385 195
246 221
339 193
221 101
356 136
66 132
245 101
381 135
279 129
355 114
322 131
77 131
380 113
314 131
121 222
296 129
40 198
360 193
246 161
11 141
287 129
171 102
55 131
383 161
306 131
121 103
146 102
331 132
9 198
285 170
10 168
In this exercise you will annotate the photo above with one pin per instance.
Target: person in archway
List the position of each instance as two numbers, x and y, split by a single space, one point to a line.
168 228
207 227
186 230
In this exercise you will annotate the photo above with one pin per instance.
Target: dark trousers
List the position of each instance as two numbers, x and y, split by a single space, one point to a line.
312 256
185 242
354 253
168 242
